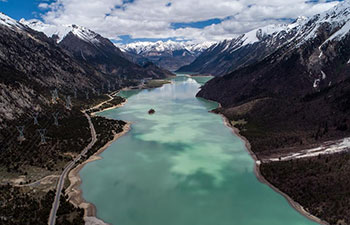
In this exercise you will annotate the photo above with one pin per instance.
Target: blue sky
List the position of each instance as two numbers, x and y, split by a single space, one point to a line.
127 21
18 9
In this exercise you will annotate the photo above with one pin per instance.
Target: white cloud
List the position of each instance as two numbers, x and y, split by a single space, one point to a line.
153 18
43 5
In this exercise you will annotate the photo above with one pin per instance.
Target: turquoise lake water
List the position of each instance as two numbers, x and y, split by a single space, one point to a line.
180 166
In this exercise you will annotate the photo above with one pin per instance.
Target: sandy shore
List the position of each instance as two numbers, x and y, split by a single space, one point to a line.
73 191
262 179
112 107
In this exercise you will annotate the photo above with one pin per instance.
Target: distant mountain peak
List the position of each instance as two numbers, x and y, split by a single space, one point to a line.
163 46
169 54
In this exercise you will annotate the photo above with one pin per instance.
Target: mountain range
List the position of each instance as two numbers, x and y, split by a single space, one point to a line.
228 55
88 46
169 55
71 57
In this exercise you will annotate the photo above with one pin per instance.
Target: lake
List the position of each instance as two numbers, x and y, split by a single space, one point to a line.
179 166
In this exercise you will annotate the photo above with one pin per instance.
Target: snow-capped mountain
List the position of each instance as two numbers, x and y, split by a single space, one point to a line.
31 65
9 22
59 32
334 18
89 46
145 48
243 50
315 52
169 55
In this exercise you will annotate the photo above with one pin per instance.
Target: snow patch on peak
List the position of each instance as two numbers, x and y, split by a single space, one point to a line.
61 31
84 33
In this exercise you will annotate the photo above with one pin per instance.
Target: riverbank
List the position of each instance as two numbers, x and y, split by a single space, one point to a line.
263 180
74 192
109 108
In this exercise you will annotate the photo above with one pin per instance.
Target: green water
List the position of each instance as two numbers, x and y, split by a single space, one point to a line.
180 166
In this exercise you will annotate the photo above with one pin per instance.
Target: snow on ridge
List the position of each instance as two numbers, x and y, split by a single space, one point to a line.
84 33
258 34
272 29
9 22
61 30
341 33
338 16
162 46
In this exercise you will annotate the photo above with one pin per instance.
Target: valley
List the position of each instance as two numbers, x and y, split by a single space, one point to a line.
197 172
223 119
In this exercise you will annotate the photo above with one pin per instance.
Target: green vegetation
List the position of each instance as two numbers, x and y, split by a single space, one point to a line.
320 184
279 125
276 126
67 214
70 136
105 131
155 83
18 206
32 160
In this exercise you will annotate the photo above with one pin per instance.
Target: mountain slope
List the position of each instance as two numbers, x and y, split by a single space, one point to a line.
90 47
169 55
298 98
315 58
32 65
243 50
